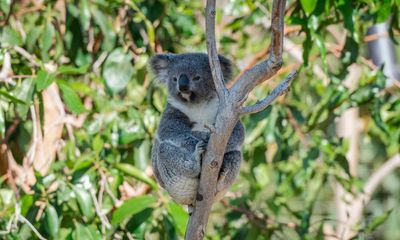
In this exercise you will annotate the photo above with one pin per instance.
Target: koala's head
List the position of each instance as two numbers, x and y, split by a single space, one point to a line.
188 76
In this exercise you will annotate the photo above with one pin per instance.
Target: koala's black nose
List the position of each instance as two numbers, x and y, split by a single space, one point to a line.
183 83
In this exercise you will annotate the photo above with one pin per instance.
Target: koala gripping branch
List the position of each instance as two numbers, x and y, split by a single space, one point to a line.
230 109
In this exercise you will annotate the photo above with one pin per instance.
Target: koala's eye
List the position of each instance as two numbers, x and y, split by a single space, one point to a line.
174 79
196 78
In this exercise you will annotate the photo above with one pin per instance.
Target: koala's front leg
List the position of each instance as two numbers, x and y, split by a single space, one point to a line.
229 171
231 162
182 160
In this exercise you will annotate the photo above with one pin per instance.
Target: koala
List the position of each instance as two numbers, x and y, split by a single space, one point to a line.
182 135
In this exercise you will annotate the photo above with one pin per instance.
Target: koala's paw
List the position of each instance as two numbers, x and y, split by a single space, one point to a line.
201 147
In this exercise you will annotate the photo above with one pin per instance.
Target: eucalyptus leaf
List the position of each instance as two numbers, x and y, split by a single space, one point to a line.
10 37
84 232
71 70
136 173
377 221
43 80
118 70
25 94
308 5
179 216
11 97
85 202
72 100
52 222
131 207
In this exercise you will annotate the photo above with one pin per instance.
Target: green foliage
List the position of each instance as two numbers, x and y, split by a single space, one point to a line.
100 187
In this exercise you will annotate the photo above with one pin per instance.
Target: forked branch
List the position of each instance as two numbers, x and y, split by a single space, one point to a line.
230 109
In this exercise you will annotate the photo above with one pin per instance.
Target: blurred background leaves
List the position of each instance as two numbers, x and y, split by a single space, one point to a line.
79 110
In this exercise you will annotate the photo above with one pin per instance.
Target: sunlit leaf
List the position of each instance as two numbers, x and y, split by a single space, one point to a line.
84 14
51 221
105 27
137 220
71 99
85 232
136 173
118 70
85 202
131 207
43 80
308 5
179 216
5 6
6 197
377 221
67 69
24 93
10 37
11 97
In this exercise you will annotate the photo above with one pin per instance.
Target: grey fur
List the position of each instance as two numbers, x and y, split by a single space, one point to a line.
181 136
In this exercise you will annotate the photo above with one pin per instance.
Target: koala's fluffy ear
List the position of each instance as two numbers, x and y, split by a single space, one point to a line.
226 67
159 65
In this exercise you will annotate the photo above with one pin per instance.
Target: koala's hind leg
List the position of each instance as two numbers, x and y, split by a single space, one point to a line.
179 160
229 171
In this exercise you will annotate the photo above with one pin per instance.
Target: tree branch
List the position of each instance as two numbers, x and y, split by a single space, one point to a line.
215 66
267 68
6 70
377 177
278 91
31 58
353 206
229 111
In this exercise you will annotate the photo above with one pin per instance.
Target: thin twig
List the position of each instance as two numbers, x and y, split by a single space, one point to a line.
32 59
10 130
36 139
376 178
297 127
354 205
19 218
11 179
278 91
38 7
24 220
9 226
103 219
6 70
255 219
110 193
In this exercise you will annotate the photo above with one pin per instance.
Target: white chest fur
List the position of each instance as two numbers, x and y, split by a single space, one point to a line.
200 114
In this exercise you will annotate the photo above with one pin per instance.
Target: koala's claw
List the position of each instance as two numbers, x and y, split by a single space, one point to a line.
190 209
285 91
210 128
221 180
201 147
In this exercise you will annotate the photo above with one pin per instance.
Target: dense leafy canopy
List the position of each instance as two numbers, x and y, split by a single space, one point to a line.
79 109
